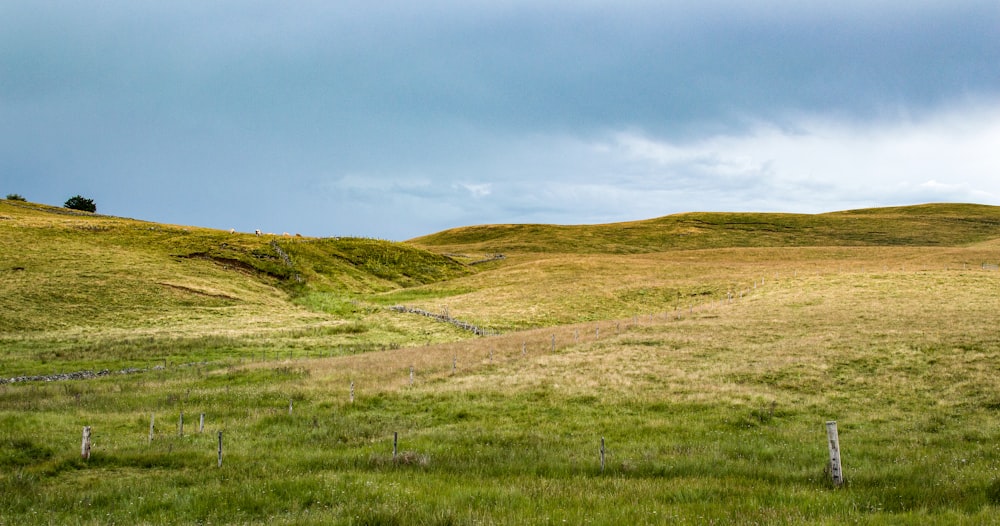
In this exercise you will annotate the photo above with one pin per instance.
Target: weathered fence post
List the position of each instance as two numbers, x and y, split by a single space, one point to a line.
85 446
395 444
220 449
454 364
524 348
602 454
289 407
201 423
491 355
836 469
352 392
553 343
152 416
411 375
180 425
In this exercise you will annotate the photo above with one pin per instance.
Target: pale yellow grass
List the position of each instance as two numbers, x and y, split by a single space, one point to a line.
794 341
539 290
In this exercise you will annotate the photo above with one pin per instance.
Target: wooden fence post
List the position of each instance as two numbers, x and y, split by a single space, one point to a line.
85 446
524 348
836 469
201 424
411 375
289 407
352 392
395 444
220 449
180 425
602 454
152 417
454 364
553 343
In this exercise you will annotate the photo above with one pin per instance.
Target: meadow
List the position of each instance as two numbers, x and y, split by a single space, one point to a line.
708 372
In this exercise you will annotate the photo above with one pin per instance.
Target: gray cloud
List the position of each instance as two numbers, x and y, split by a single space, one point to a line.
397 119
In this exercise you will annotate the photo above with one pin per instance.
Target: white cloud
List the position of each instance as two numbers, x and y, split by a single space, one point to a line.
808 164
477 190
826 164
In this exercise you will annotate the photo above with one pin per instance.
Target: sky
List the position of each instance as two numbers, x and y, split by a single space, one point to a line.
399 119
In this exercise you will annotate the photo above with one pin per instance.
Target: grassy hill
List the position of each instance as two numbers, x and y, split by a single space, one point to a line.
74 283
568 274
95 290
709 369
922 225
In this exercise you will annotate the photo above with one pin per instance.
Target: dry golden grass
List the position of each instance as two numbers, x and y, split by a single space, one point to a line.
805 333
548 289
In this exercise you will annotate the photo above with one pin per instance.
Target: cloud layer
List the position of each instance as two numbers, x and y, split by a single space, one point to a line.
402 118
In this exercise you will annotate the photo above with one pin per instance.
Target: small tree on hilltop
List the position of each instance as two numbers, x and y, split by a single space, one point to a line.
15 197
78 202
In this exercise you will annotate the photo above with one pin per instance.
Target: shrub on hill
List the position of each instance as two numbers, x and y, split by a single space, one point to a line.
15 197
78 202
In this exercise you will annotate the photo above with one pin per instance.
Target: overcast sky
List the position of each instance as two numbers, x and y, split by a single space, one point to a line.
399 119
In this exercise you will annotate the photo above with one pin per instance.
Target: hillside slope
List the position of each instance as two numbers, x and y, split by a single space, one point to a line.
62 268
921 225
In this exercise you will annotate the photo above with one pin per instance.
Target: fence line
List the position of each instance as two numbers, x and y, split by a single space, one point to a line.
464 325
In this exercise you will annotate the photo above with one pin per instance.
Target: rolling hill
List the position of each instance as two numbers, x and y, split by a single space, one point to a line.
65 270
921 225
708 363
99 289
62 267
79 290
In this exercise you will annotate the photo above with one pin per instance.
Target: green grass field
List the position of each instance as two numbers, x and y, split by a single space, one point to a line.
709 371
